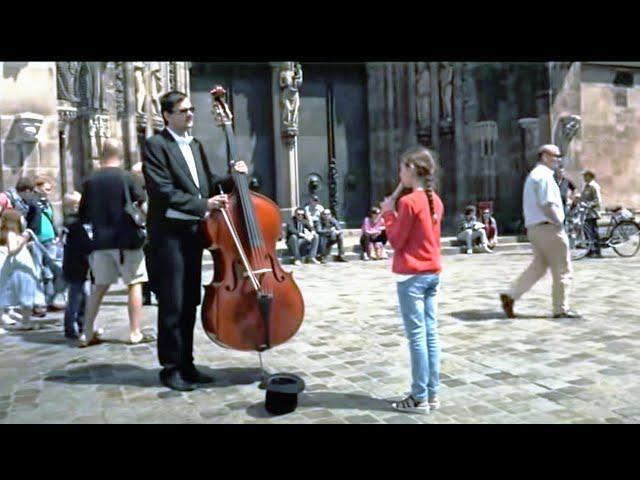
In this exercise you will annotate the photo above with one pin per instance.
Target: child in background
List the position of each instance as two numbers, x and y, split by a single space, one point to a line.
18 273
75 266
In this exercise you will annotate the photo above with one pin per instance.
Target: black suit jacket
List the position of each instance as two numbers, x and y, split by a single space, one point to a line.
169 183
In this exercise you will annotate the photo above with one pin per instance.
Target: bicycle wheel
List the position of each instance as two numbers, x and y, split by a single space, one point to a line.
625 238
579 241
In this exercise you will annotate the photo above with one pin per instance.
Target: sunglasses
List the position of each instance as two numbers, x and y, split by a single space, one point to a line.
184 111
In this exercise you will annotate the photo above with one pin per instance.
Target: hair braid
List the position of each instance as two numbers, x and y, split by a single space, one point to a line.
426 168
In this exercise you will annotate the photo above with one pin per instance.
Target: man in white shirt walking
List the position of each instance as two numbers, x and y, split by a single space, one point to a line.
544 217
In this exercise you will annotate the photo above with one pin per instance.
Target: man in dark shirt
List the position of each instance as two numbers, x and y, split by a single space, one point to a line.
567 189
328 228
117 243
301 234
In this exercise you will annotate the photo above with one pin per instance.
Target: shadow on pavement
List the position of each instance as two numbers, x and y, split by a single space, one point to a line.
478 315
127 374
330 401
481 315
47 336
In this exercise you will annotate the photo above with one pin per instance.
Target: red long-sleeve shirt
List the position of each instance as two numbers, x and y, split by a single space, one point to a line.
413 236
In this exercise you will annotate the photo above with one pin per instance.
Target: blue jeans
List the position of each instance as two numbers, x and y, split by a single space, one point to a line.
74 312
418 298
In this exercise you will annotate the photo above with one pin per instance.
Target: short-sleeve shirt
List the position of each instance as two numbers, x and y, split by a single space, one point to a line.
541 188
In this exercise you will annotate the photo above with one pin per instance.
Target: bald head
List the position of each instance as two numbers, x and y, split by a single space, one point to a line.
111 152
549 155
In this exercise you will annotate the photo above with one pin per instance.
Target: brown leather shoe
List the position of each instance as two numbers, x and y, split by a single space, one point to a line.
507 305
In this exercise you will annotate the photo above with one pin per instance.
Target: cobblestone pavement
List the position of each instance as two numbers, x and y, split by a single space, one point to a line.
352 353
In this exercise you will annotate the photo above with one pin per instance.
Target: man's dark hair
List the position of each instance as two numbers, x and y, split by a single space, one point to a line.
169 100
470 210
25 183
589 173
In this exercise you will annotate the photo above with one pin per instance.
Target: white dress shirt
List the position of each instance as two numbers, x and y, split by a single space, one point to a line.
183 143
540 189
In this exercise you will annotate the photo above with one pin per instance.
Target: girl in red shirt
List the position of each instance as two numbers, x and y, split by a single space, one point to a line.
413 229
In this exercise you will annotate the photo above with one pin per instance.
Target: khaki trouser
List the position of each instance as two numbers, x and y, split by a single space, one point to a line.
550 250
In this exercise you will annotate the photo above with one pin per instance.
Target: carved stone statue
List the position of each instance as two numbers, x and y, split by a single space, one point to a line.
155 86
290 82
446 90
67 81
566 128
93 95
141 88
423 93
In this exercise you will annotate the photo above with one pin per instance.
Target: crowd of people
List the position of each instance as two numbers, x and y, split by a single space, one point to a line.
43 269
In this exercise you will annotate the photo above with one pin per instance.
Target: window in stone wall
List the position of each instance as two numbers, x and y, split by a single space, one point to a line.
623 79
620 96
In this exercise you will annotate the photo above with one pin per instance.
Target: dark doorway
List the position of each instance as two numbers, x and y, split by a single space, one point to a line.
333 121
249 97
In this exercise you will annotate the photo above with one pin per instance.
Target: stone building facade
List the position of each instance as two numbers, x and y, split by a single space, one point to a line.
337 129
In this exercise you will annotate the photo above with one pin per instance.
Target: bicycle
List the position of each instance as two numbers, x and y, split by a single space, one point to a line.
623 232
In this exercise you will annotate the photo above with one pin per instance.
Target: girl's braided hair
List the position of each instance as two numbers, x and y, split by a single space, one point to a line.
425 167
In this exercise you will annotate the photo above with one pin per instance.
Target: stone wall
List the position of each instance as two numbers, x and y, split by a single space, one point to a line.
500 108
28 123
610 143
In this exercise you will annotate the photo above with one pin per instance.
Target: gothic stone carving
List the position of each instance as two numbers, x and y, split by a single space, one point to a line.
446 91
151 89
423 96
119 88
99 129
567 127
290 82
67 81
155 86
92 92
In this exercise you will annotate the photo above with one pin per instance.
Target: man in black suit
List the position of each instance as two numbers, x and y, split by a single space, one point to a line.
182 190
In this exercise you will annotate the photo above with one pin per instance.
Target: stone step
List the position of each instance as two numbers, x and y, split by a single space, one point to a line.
353 252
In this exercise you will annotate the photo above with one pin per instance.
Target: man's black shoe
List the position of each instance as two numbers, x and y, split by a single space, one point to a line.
507 305
173 380
194 376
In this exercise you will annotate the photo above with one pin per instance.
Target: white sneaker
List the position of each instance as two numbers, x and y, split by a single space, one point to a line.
7 320
2 330
434 403
135 338
410 405
470 251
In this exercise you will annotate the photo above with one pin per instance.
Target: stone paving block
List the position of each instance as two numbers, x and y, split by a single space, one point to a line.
362 419
580 371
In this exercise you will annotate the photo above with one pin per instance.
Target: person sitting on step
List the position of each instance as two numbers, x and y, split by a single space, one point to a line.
471 231
328 228
373 237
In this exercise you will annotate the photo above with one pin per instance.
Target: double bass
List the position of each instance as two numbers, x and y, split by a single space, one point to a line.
252 303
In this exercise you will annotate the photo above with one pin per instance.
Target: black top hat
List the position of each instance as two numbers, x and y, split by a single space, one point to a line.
282 393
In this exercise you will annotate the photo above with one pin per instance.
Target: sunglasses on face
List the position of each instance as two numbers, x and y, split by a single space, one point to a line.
184 111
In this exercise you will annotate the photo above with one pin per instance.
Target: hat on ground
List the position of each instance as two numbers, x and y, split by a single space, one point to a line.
282 393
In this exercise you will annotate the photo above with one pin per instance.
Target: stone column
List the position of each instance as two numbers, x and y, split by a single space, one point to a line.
66 114
543 110
530 128
461 153
286 151
435 106
129 132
